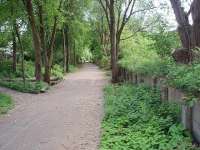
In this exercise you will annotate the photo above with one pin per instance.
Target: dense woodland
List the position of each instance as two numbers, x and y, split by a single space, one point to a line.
42 40
54 35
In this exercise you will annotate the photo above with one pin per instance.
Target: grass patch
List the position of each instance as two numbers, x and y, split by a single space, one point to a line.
6 103
136 119
28 87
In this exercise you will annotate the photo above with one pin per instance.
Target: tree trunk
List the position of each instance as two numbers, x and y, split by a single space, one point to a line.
14 42
67 48
49 50
118 37
113 42
184 28
49 54
74 53
195 11
36 39
22 52
14 45
42 31
64 52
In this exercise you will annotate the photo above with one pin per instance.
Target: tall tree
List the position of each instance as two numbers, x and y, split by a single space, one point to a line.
64 51
195 12
184 28
49 49
118 14
189 34
109 9
36 40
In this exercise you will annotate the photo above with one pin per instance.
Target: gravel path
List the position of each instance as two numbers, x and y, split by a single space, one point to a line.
67 117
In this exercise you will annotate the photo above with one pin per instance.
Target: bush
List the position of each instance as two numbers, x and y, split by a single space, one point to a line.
6 103
7 72
104 63
57 71
72 68
185 77
28 87
136 119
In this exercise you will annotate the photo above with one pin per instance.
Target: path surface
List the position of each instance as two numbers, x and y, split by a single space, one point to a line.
66 118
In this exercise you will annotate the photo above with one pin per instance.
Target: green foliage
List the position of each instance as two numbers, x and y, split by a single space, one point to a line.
96 50
136 119
72 68
104 62
57 71
7 72
165 42
185 77
5 67
139 56
28 87
29 70
6 103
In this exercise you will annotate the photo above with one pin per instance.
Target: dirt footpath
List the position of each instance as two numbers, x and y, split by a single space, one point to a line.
65 118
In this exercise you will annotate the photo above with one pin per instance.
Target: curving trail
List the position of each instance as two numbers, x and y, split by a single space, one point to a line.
67 117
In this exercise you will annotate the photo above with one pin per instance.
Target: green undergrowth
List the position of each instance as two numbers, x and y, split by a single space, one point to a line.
28 87
136 119
6 103
180 76
13 80
72 68
185 77
7 72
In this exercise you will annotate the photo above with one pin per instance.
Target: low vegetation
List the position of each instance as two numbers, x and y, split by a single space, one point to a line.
14 80
136 119
26 87
6 103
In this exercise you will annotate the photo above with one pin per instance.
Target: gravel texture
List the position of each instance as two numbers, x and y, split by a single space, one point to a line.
67 117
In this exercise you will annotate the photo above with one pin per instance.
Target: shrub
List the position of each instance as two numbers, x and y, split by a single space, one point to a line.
136 119
57 71
104 63
6 103
185 77
28 87
72 68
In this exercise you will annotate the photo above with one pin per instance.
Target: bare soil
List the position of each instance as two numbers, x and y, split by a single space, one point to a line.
67 117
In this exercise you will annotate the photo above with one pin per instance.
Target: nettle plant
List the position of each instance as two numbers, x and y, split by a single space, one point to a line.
136 118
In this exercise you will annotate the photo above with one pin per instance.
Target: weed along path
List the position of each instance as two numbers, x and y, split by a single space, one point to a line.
67 117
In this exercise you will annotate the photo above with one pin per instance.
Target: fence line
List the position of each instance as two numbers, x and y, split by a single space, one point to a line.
190 116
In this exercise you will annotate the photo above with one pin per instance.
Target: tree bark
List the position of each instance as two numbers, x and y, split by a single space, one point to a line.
14 56
113 42
195 11
22 52
49 54
64 52
68 49
36 39
74 54
49 50
184 27
14 42
42 31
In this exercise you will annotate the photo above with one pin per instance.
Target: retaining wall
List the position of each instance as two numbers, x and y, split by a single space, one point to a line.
190 116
